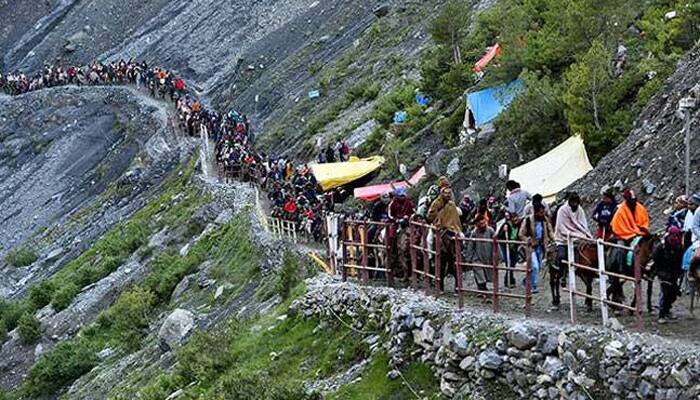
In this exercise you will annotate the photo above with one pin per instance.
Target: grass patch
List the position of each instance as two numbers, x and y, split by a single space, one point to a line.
375 385
22 257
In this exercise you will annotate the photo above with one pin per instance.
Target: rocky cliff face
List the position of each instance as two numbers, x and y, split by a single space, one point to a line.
74 161
651 159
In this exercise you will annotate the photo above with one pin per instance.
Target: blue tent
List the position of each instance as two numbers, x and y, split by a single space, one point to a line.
485 105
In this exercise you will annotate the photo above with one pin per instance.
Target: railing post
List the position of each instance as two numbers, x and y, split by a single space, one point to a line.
414 254
387 256
437 244
344 257
572 277
458 271
638 290
528 280
365 256
495 263
426 260
602 280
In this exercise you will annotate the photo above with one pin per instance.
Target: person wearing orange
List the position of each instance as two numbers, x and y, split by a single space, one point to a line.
631 219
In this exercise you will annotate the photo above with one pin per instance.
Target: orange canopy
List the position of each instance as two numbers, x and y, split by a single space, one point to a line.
493 52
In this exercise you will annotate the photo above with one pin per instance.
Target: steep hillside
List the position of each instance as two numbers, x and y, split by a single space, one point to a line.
73 162
651 159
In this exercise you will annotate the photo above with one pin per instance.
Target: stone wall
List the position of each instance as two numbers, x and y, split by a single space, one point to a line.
477 355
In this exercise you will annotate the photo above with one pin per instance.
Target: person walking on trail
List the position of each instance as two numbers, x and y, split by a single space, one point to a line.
378 213
444 213
537 230
603 215
467 207
517 199
676 217
667 260
571 222
330 154
530 207
400 210
507 230
480 251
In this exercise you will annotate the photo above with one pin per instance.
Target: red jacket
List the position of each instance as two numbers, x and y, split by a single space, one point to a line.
179 84
401 208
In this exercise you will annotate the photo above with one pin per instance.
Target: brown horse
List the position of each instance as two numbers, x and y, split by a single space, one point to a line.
694 278
587 254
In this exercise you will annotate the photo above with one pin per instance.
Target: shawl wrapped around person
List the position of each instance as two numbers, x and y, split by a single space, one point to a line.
627 224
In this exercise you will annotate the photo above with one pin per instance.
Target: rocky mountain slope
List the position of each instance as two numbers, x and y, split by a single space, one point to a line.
651 160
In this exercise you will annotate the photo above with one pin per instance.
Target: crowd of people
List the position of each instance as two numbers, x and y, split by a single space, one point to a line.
523 217
294 194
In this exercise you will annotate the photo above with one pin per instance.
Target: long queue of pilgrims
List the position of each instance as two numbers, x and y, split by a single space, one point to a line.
294 195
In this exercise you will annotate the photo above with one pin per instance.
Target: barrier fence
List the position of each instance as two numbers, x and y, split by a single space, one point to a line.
597 267
362 249
365 251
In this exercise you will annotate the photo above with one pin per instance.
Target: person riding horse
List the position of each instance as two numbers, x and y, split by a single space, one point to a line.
629 225
570 222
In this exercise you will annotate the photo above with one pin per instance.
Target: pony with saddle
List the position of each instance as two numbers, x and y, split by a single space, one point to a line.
618 261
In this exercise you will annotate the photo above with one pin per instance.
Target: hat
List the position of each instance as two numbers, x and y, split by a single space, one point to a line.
674 230
695 199
628 194
443 182
400 192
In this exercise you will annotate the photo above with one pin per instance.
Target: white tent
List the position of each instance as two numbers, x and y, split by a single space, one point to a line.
553 172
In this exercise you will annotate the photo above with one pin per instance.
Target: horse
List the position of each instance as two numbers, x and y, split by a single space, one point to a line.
587 254
694 278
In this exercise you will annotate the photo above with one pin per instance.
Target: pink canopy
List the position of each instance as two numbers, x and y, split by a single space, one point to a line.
493 52
371 193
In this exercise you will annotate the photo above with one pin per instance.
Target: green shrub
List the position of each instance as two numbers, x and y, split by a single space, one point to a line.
11 312
396 100
41 294
288 276
21 257
450 127
29 328
253 385
66 362
3 333
128 318
64 296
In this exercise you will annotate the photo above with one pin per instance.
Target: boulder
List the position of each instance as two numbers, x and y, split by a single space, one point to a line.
520 337
175 329
553 367
490 360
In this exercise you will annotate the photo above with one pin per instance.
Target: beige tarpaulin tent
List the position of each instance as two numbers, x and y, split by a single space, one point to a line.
553 172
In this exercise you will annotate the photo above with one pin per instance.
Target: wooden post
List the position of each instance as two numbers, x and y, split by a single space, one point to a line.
426 260
602 281
365 260
528 280
572 278
414 255
495 262
438 267
638 290
387 257
458 271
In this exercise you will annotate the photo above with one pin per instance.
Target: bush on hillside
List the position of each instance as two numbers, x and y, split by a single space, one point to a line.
40 294
128 318
22 257
64 296
29 328
288 276
65 363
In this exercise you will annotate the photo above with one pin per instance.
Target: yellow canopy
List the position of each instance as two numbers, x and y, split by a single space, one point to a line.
333 175
554 171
